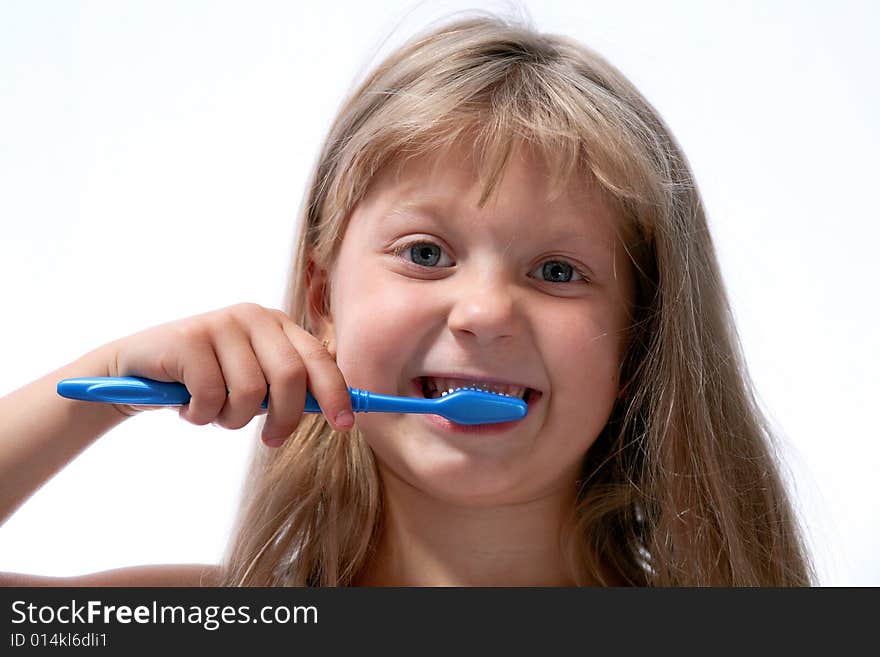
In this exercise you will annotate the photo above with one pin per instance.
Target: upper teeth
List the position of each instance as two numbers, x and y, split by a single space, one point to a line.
446 386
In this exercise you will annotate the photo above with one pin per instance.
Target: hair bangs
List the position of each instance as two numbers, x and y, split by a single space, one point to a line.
535 95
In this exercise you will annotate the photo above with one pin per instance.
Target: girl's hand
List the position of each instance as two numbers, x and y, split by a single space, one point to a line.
246 349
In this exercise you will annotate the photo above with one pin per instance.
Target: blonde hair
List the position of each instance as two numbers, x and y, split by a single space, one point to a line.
682 487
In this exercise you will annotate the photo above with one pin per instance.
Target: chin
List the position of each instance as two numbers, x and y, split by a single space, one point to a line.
463 484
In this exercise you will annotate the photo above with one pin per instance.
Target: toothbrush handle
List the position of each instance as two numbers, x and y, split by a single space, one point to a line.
137 390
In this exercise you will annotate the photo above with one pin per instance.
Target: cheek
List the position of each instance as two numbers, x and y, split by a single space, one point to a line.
583 356
376 331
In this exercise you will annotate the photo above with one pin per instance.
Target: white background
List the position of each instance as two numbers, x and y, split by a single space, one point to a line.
153 156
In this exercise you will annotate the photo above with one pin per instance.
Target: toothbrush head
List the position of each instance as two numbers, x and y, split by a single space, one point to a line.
475 406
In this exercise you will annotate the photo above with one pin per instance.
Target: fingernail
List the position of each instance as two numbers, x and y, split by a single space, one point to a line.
274 442
344 420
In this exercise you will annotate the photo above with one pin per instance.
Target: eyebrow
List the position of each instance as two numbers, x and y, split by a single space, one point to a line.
433 210
402 206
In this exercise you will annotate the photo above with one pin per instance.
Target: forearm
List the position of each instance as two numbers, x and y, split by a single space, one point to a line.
41 432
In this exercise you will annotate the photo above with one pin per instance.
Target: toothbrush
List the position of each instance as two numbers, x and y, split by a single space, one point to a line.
463 406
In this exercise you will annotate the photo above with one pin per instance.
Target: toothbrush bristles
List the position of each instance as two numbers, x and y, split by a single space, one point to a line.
475 389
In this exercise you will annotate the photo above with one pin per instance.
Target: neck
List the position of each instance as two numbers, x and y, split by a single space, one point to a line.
429 542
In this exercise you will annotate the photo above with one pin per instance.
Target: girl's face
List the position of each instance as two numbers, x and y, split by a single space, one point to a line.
522 292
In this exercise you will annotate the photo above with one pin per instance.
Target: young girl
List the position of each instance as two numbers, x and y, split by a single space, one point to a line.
492 206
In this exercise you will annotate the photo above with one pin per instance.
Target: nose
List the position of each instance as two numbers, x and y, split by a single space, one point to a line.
485 310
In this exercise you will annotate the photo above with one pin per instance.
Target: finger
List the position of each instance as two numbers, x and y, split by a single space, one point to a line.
285 373
201 374
242 372
325 381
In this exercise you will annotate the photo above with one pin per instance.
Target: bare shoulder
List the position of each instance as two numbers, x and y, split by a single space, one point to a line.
153 575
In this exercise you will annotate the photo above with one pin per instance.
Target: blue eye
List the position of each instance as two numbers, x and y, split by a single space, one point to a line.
423 254
426 255
557 271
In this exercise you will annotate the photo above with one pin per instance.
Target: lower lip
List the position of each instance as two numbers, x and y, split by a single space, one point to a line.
454 427
495 427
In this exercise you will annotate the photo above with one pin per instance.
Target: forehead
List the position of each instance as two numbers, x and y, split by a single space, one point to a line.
454 183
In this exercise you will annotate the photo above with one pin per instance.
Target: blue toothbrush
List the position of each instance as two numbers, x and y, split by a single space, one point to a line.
464 406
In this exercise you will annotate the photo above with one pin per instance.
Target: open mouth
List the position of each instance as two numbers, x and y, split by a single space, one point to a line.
432 387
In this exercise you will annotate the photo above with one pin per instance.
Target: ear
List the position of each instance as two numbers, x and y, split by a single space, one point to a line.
318 318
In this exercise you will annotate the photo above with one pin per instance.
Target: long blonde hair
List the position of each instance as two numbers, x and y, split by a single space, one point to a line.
683 486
